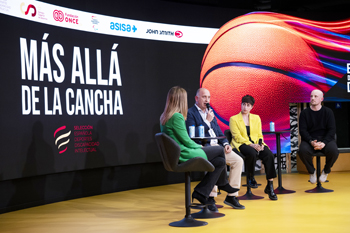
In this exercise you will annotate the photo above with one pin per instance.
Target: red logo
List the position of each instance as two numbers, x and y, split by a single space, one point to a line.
58 15
62 139
178 34
30 6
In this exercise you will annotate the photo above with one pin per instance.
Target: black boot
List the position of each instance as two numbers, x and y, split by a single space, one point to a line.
201 198
212 206
252 182
269 191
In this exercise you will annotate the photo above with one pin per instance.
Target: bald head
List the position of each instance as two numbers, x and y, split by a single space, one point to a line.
317 92
201 90
316 99
202 98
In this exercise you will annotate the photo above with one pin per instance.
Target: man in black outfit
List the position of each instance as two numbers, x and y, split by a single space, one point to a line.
317 131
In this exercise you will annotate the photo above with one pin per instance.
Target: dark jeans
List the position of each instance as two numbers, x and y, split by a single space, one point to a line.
306 151
216 156
266 157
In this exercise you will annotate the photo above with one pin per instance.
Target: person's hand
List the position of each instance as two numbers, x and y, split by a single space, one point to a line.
228 149
313 143
262 147
255 146
319 145
210 115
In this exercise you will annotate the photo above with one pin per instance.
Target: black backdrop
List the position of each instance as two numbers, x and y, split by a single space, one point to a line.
148 69
32 171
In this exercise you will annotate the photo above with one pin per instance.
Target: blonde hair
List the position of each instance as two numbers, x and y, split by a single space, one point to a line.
176 102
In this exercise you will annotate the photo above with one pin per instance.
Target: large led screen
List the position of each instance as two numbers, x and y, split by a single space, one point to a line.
278 59
81 90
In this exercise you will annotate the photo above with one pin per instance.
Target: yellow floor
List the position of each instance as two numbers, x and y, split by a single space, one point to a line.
152 209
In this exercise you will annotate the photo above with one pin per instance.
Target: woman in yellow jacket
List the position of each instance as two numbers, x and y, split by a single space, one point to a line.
247 137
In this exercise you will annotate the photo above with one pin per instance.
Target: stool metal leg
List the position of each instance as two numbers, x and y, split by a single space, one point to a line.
188 221
249 195
319 188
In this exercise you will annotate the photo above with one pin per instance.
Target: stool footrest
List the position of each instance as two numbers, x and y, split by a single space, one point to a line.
197 206
188 221
319 189
206 213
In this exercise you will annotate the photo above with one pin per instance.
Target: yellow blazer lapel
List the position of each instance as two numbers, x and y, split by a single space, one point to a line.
243 126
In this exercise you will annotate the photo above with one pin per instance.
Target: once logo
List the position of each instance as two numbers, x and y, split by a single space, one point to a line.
30 6
58 15
178 34
62 139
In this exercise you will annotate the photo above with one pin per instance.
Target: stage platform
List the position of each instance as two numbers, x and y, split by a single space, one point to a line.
150 210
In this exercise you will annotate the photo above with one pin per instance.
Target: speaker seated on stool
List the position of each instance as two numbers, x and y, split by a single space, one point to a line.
170 154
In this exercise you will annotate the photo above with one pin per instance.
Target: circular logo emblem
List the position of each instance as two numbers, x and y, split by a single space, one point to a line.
178 34
58 15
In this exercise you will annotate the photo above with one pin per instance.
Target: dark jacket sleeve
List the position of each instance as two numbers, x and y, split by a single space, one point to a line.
194 118
214 124
305 136
331 128
190 120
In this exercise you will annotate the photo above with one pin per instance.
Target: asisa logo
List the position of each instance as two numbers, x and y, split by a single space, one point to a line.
61 139
122 27
30 9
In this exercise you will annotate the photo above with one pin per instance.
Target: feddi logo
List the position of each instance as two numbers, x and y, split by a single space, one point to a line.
62 139
30 6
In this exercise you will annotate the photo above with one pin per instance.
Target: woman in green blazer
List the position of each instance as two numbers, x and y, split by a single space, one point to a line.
172 123
247 137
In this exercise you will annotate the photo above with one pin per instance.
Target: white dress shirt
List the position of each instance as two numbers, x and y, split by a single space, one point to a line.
211 131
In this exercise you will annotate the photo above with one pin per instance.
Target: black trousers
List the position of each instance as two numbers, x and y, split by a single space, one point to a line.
216 156
306 151
266 157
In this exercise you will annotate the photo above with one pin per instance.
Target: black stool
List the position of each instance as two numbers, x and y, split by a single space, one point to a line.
249 195
170 153
318 188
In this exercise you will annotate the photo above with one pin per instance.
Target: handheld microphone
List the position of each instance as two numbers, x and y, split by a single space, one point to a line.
208 106
260 143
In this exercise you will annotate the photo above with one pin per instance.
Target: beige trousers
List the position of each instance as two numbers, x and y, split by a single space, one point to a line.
236 164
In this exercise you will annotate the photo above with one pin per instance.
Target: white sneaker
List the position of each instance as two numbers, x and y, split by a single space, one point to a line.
323 177
313 178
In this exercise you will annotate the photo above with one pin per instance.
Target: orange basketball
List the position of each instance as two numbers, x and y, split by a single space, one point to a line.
260 55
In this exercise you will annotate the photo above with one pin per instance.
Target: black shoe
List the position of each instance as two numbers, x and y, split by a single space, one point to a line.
252 182
211 200
201 198
233 202
269 191
213 208
227 188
